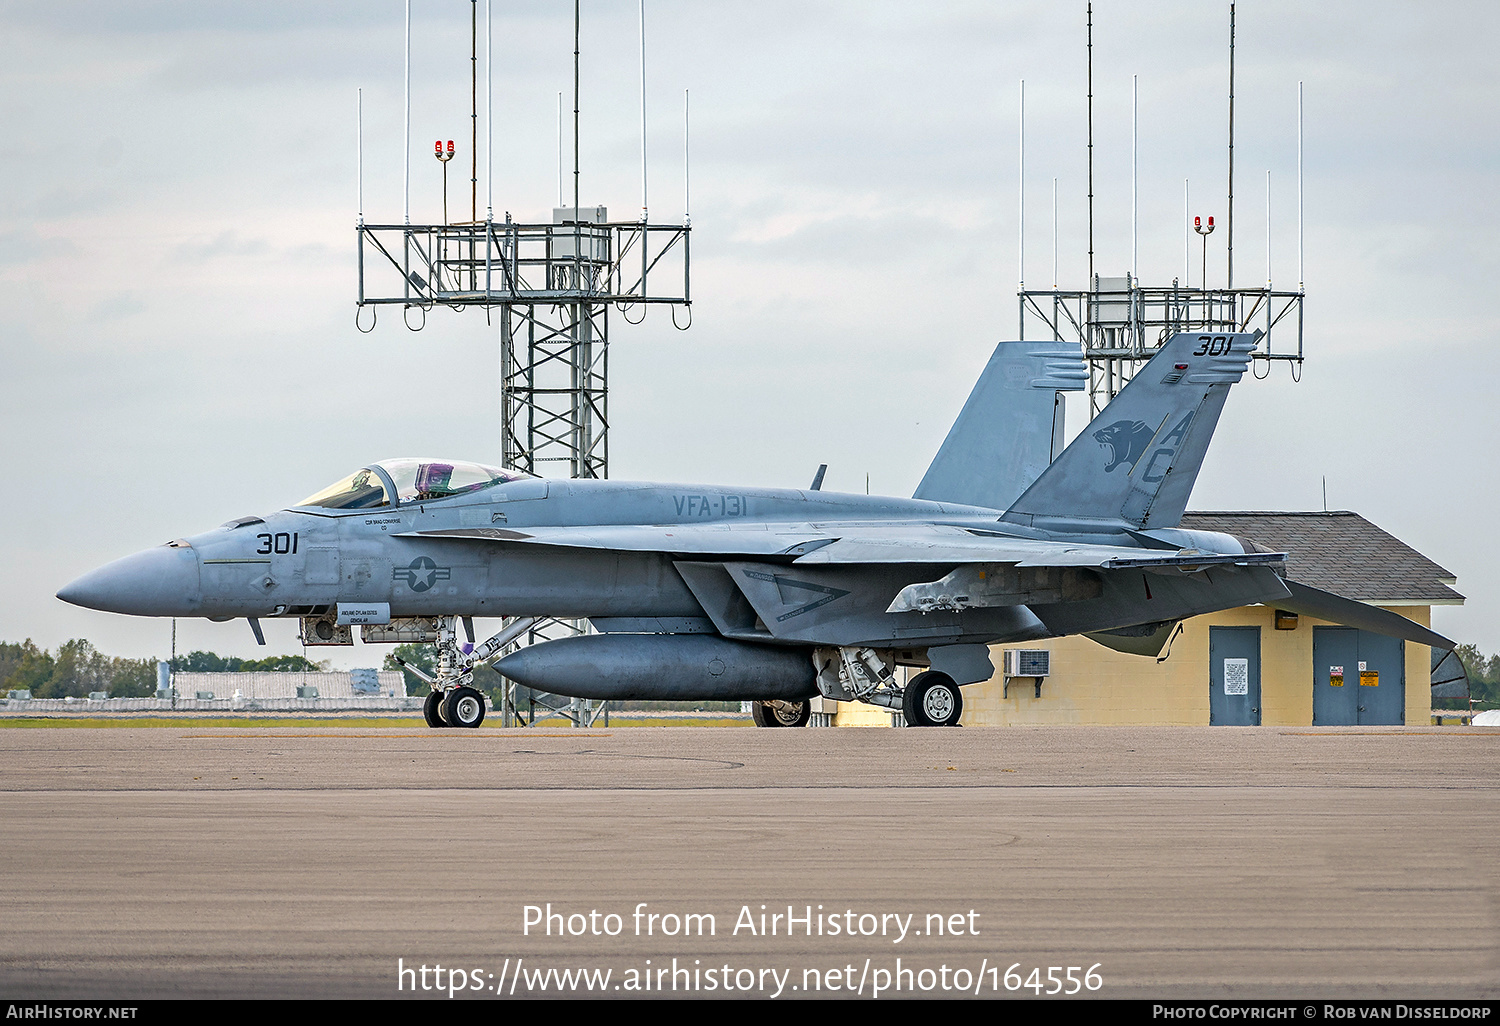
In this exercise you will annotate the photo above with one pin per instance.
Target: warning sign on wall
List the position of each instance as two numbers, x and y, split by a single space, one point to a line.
1369 678
1236 676
1336 676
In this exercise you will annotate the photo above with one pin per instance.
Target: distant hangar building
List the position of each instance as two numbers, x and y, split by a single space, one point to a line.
1248 666
286 685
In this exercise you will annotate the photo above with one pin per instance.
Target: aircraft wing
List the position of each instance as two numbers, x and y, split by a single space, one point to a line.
873 582
762 538
940 543
823 544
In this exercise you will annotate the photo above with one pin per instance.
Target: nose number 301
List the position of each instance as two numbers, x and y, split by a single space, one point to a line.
281 543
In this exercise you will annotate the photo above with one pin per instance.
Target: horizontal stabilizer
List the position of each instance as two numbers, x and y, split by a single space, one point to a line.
1337 609
1132 597
1064 576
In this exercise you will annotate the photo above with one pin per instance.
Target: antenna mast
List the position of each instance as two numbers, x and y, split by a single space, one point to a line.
1121 321
575 109
1091 140
644 217
1229 215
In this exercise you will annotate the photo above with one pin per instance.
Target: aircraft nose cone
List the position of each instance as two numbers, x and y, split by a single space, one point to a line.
156 582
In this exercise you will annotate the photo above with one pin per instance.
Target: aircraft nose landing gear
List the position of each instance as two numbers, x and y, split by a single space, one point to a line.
456 707
462 707
453 702
430 709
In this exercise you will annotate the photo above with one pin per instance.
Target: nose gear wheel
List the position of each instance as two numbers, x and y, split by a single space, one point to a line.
430 709
462 707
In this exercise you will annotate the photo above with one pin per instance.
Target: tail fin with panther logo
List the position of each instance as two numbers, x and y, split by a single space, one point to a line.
1135 464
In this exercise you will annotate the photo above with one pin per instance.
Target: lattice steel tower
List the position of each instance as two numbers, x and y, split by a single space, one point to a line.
551 286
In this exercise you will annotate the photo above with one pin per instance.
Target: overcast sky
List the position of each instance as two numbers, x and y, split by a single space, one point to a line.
177 279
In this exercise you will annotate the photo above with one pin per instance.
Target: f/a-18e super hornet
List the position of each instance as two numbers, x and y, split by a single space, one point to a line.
772 596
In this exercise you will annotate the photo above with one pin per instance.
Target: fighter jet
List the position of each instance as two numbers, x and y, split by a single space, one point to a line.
772 596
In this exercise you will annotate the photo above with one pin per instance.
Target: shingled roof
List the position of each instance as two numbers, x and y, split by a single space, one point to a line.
1342 553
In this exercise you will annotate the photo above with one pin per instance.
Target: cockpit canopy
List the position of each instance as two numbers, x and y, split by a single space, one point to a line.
403 481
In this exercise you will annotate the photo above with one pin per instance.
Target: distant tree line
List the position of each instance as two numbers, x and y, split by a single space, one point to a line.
78 669
211 662
74 671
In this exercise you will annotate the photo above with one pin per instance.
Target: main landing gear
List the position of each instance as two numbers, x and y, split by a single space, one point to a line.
932 700
430 709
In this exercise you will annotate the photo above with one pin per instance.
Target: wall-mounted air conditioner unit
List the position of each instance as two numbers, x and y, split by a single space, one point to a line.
1026 662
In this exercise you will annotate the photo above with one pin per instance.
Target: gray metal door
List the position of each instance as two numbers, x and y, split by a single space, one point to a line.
1358 678
1234 676
1335 676
1382 679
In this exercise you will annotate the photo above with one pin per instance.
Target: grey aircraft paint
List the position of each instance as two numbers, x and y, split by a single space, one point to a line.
1010 428
766 581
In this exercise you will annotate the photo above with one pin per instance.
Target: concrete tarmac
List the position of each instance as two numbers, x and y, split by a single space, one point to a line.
1305 863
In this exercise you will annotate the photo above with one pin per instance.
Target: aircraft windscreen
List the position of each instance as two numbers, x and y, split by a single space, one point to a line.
425 480
360 490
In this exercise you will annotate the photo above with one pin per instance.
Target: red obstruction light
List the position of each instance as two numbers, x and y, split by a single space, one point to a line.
438 147
450 147
1197 223
1210 221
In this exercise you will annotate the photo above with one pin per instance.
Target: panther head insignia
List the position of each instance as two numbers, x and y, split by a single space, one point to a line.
1126 440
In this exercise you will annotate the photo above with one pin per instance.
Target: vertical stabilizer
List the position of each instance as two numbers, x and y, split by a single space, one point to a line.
1135 464
1010 428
